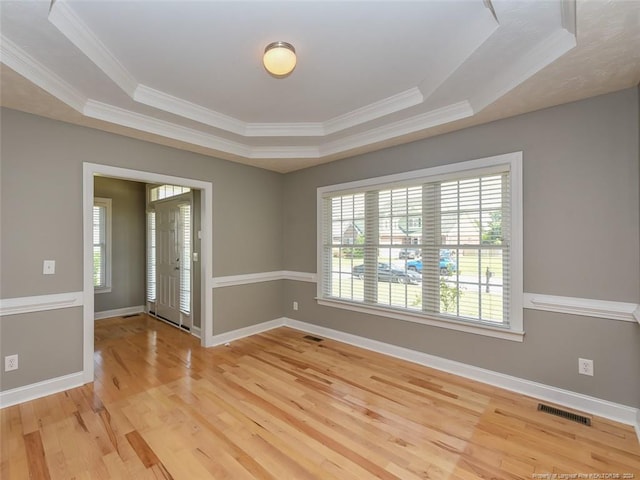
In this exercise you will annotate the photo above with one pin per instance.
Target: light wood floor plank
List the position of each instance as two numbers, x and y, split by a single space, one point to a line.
279 406
36 456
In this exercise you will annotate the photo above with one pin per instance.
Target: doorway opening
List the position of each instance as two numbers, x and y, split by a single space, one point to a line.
203 201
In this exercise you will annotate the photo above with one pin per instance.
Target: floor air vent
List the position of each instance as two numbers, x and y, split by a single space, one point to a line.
564 414
312 338
131 315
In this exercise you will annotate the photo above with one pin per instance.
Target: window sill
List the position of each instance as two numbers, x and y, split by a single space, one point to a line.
102 290
461 326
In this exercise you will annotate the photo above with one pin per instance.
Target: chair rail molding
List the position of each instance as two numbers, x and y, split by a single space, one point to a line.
40 303
247 278
627 312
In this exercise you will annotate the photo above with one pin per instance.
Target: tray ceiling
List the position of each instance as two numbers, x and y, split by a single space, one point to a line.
369 74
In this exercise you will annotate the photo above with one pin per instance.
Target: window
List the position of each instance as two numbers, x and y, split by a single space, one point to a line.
185 255
441 246
166 191
151 256
102 245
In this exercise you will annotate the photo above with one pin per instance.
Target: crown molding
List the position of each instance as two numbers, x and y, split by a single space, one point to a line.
541 55
77 32
285 152
416 123
63 17
301 129
73 27
138 121
395 103
27 66
183 108
66 20
23 64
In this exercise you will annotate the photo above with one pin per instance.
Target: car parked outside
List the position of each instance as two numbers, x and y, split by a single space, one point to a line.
387 273
409 253
447 264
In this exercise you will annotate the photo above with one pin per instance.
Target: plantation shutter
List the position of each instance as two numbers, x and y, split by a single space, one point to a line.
456 226
151 256
99 246
185 258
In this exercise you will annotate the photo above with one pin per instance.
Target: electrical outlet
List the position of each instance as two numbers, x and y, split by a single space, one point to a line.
295 305
10 362
585 367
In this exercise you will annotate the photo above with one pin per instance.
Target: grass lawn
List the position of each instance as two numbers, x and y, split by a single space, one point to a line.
467 299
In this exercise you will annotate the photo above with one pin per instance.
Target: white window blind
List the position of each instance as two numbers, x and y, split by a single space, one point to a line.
101 244
185 257
436 244
151 256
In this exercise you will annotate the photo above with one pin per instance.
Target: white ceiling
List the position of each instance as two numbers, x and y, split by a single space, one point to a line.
370 73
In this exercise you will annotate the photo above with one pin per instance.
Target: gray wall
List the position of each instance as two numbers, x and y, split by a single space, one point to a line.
49 345
128 244
581 227
581 237
235 305
41 218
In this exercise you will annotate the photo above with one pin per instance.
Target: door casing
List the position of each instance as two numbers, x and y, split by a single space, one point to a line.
206 264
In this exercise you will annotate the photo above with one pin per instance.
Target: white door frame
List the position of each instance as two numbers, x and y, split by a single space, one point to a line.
206 255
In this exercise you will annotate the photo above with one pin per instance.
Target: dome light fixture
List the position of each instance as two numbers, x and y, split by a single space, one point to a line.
279 59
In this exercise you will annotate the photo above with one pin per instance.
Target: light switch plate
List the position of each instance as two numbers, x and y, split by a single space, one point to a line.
49 267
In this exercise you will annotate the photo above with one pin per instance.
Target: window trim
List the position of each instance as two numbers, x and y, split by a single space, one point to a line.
513 161
107 204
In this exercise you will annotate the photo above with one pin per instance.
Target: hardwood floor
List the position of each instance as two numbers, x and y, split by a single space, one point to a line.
280 406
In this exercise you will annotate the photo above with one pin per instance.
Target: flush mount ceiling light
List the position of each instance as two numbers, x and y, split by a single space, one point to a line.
279 58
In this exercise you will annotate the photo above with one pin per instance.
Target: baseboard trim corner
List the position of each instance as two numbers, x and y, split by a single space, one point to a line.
232 335
196 331
33 391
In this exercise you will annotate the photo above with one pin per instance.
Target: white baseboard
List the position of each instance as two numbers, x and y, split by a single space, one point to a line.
196 331
227 337
585 403
596 406
40 389
119 312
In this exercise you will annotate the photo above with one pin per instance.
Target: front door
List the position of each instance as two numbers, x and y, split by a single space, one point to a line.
168 260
